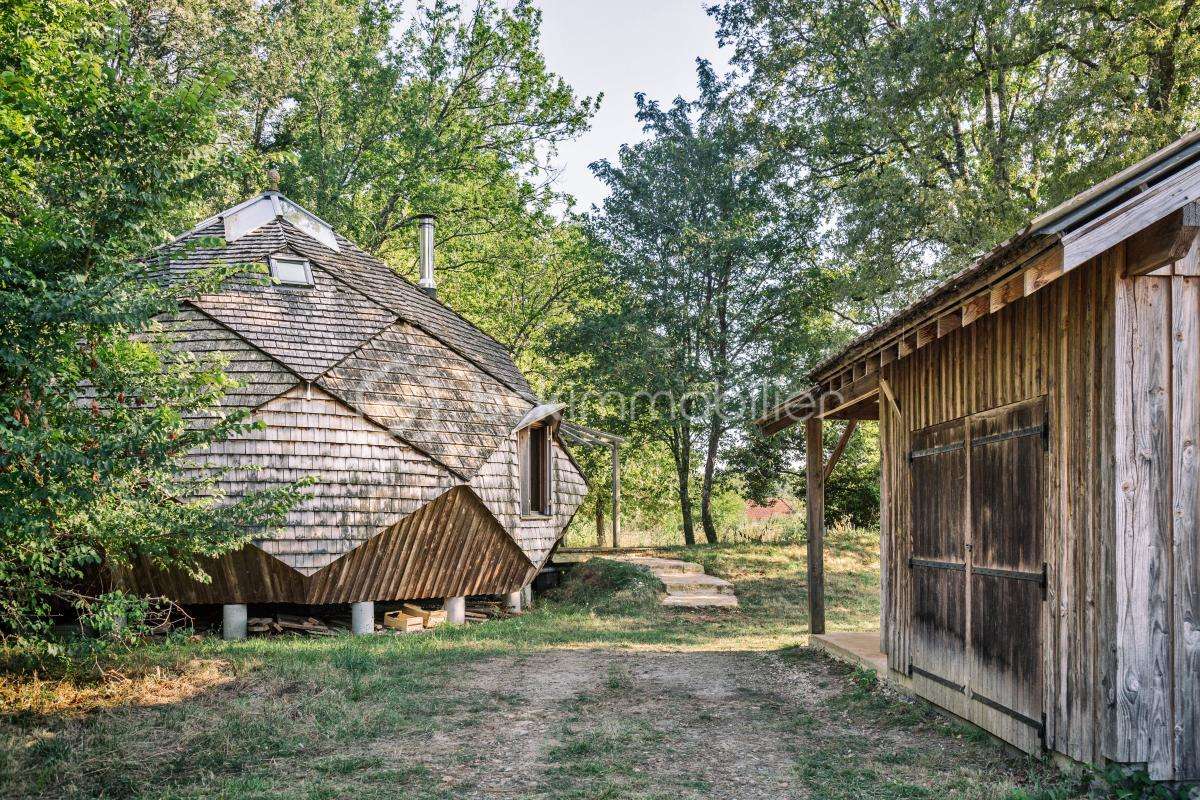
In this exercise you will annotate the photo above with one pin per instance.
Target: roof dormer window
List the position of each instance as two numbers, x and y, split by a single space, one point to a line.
291 270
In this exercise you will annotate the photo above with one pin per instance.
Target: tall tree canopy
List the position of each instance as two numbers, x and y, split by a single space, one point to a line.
931 131
710 249
376 110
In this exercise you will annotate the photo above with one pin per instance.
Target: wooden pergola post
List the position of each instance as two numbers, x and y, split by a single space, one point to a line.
616 496
814 474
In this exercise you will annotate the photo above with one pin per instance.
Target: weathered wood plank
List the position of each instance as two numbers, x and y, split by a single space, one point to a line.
1162 243
1143 527
1185 473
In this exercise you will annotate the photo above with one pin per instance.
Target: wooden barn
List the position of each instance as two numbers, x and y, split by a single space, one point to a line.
1039 415
437 473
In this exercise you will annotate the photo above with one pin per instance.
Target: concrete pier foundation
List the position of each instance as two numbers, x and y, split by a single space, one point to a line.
456 610
362 618
233 621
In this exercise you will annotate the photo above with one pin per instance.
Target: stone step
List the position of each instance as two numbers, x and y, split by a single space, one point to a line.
700 600
665 566
695 583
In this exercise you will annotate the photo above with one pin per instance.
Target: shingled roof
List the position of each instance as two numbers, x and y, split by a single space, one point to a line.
360 332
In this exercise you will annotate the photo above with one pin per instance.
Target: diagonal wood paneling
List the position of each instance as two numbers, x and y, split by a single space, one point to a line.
450 547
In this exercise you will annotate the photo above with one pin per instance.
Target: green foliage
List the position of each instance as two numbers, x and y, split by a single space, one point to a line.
1123 783
773 465
931 131
605 586
100 158
707 253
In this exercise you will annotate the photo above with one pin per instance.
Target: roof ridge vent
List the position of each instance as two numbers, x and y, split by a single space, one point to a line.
271 205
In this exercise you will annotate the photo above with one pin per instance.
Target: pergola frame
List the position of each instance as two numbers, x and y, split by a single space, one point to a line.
584 436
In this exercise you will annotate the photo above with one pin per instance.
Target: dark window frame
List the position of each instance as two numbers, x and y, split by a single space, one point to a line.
535 457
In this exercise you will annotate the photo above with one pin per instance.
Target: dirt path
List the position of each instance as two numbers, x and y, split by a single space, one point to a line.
717 725
597 722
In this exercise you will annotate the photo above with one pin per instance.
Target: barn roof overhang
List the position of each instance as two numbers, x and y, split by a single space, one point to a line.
1151 206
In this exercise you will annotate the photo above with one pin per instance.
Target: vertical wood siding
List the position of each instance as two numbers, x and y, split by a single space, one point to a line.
1052 344
1186 532
1157 593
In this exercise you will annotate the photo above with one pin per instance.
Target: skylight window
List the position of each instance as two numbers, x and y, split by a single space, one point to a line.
291 270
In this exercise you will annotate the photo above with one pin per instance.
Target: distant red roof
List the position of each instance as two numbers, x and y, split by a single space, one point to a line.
777 507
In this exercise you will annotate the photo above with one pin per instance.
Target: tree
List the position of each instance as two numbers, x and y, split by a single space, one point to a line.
931 131
101 159
711 271
374 114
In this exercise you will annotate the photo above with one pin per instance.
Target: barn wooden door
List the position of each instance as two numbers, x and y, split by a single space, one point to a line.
1007 562
938 464
978 566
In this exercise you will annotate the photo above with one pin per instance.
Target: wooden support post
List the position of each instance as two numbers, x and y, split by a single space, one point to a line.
599 522
815 498
616 497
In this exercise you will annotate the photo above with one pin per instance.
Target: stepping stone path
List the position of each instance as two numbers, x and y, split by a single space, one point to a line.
687 585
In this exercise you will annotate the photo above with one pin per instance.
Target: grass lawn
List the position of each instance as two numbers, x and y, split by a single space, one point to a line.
563 702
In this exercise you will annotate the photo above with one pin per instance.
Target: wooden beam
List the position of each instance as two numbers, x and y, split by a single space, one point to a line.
849 395
1135 214
978 306
1163 242
885 389
926 334
839 448
907 344
1006 292
815 499
1045 269
950 322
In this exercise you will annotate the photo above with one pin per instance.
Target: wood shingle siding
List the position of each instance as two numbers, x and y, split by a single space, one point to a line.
365 478
309 329
429 395
260 377
498 485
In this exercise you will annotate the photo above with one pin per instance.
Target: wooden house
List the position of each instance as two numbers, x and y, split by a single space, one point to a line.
437 473
1039 417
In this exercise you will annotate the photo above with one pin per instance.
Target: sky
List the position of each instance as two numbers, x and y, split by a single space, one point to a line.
619 47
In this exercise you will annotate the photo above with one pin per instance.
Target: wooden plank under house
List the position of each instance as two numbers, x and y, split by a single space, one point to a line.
412 425
1038 420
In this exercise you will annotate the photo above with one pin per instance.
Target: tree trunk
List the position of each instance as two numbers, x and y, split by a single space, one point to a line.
683 468
710 468
685 507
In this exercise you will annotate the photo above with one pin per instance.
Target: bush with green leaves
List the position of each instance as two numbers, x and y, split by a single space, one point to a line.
101 159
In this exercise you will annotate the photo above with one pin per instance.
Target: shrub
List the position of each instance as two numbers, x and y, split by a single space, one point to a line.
606 586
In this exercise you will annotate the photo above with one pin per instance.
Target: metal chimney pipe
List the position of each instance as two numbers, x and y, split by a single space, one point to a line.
425 225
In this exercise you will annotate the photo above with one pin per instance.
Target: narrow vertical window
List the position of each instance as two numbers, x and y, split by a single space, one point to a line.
536 460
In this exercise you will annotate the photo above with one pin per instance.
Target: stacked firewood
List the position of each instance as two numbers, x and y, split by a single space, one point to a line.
484 610
291 623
